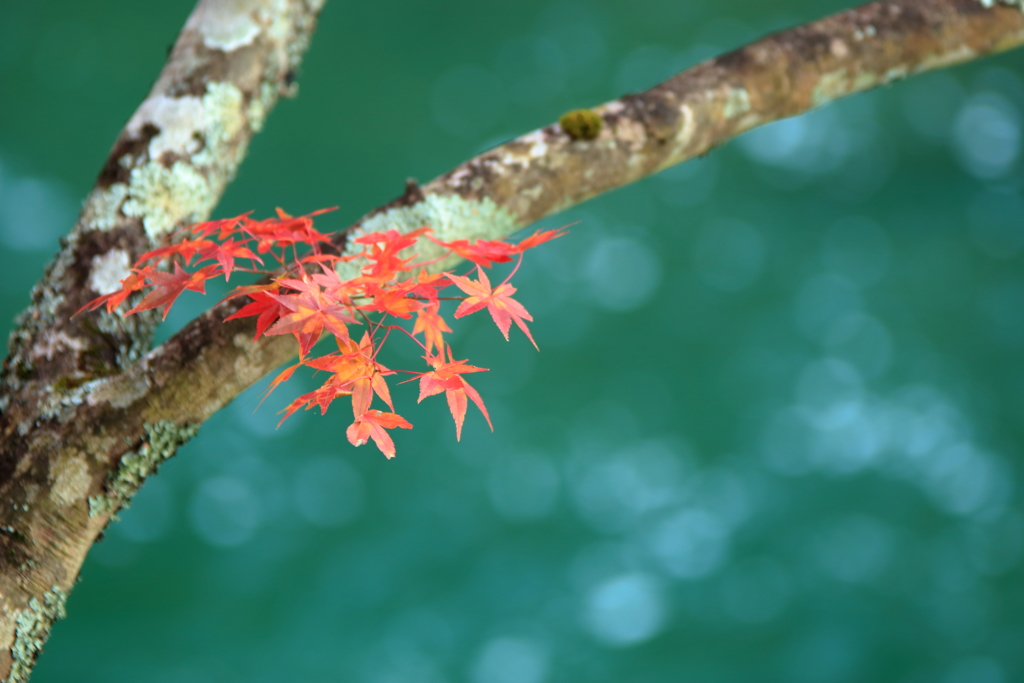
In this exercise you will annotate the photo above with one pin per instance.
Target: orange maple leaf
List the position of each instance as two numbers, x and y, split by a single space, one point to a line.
355 371
393 301
372 425
283 376
321 397
447 377
499 302
432 325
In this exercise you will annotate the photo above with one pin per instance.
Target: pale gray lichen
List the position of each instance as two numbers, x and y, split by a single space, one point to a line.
206 132
162 197
108 270
223 118
260 106
102 207
226 26
33 628
121 390
633 133
831 85
54 344
835 84
176 119
450 217
941 60
58 405
160 443
737 102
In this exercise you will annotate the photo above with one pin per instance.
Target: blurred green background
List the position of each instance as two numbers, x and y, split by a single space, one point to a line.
774 432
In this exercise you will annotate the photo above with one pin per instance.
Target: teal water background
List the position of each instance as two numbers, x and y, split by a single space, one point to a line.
774 432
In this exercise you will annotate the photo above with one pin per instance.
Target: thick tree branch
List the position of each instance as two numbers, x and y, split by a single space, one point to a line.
504 189
169 167
74 452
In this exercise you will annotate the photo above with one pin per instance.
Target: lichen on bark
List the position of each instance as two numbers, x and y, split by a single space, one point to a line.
160 443
33 628
449 216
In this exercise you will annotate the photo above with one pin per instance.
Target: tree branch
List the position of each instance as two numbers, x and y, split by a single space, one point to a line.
86 446
168 168
493 195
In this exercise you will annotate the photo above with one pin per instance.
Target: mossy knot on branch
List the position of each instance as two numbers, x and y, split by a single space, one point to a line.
581 124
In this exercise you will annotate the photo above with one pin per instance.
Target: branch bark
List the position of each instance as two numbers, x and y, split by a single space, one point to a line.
168 168
88 414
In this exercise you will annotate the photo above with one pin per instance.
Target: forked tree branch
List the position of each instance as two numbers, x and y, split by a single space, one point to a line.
168 168
81 432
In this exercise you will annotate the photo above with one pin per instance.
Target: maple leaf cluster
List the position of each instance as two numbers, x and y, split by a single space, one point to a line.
304 296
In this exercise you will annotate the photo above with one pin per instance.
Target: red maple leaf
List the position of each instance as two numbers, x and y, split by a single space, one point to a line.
425 285
263 305
485 252
284 231
372 425
391 240
447 377
539 237
481 252
133 283
225 254
186 249
225 226
499 302
169 286
333 285
383 251
311 312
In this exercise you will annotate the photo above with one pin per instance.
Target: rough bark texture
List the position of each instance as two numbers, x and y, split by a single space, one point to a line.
87 414
61 455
